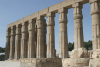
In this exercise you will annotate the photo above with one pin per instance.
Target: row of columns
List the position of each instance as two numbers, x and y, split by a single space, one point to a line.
40 51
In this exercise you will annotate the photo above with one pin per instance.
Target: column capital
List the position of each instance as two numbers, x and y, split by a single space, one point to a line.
8 32
50 21
23 27
63 10
32 21
62 15
12 31
31 26
77 11
95 8
40 17
40 22
79 5
51 14
18 29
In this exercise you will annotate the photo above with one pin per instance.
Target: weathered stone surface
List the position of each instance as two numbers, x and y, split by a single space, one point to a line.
78 25
96 53
94 62
63 39
90 52
95 13
75 62
50 36
79 53
42 62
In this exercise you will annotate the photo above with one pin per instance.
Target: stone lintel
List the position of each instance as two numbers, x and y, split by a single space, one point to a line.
54 8
91 1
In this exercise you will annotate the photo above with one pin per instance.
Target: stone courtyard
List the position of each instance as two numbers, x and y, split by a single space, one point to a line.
29 35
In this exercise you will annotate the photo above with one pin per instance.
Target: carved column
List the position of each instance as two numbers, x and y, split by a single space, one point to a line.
12 43
78 26
50 36
24 41
18 40
7 52
95 13
36 38
45 31
40 37
63 40
31 44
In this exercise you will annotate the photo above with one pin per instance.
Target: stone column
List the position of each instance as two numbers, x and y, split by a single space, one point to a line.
95 13
45 31
63 40
78 26
7 52
18 40
31 44
50 36
24 41
40 37
36 38
12 43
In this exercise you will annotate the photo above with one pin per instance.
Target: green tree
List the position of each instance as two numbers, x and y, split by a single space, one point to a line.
88 45
70 46
2 50
2 57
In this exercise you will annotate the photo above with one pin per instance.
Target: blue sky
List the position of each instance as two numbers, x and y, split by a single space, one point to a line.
13 10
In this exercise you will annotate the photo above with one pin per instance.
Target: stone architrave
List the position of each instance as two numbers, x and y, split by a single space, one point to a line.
50 36
78 26
24 41
40 37
95 13
18 40
7 52
63 40
31 44
12 43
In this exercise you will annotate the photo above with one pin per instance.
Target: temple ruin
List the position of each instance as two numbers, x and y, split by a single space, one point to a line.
29 35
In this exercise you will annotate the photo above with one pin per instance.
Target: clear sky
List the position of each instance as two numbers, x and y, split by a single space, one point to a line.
13 10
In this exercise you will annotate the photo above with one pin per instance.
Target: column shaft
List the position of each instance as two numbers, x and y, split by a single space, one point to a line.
24 41
50 36
78 26
12 43
95 13
63 40
40 37
18 40
36 38
7 52
45 37
31 44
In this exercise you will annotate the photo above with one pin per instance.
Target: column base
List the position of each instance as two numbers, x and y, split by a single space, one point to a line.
39 62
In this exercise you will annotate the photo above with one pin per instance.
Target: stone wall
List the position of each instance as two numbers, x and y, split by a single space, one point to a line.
45 62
